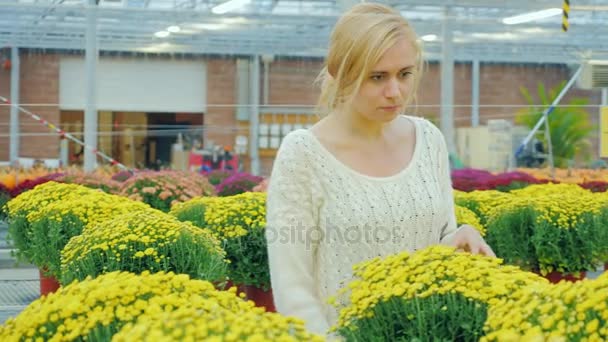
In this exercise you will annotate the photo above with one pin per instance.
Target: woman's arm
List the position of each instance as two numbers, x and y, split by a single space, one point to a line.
291 221
465 237
449 229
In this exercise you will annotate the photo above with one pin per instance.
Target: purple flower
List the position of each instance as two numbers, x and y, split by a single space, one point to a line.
238 183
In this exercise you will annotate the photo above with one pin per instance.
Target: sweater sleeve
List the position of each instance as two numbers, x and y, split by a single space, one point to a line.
450 228
291 221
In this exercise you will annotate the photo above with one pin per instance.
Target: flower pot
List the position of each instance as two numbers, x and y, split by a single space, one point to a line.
261 298
48 284
556 277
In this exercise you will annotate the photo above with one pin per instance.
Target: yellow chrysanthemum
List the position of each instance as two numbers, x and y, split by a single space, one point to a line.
227 217
563 312
486 201
434 270
45 194
466 216
98 308
201 320
122 243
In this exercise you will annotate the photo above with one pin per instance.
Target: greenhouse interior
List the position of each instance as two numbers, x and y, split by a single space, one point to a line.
304 170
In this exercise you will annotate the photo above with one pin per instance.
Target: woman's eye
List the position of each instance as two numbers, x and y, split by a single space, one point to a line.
406 74
376 77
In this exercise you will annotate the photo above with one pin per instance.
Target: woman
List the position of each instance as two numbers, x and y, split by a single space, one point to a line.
365 181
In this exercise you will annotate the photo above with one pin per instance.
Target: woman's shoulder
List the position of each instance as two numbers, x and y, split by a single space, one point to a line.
296 137
419 120
297 141
426 125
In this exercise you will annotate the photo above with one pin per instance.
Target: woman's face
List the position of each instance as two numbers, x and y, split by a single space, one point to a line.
385 90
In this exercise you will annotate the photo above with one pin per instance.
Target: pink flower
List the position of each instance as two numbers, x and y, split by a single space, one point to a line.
164 195
148 190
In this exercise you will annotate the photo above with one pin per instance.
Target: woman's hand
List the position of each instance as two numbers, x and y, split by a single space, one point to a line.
468 239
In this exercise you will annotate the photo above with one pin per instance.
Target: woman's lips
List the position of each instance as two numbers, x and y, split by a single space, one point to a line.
390 108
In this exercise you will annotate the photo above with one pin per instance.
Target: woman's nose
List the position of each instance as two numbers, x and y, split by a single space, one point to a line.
392 88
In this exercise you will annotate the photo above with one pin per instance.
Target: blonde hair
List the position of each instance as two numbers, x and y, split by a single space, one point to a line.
357 43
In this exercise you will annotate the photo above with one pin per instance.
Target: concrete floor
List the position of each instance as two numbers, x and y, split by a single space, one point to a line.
18 288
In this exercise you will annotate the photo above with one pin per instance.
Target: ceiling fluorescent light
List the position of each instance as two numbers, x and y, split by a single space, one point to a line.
429 37
229 5
173 29
162 34
211 27
526 17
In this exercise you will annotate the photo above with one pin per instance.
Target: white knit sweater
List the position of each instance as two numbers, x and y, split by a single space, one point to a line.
323 217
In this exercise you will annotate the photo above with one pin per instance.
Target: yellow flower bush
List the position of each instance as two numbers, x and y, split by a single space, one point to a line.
482 202
226 217
45 194
466 216
559 204
18 209
97 309
239 222
90 209
551 227
202 320
45 218
562 312
404 296
143 240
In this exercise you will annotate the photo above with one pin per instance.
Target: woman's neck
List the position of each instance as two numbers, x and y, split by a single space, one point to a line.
359 127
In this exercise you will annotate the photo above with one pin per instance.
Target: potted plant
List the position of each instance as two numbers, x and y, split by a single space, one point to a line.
5 196
470 179
122 306
482 203
20 233
90 180
551 229
145 240
238 183
514 180
569 126
43 220
161 189
215 177
546 312
31 182
435 294
594 186
239 222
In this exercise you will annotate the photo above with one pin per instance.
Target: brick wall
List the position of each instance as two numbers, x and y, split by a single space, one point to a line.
428 99
500 85
291 83
221 91
39 85
499 90
5 90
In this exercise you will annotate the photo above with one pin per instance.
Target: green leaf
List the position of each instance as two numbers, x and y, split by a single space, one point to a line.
569 126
